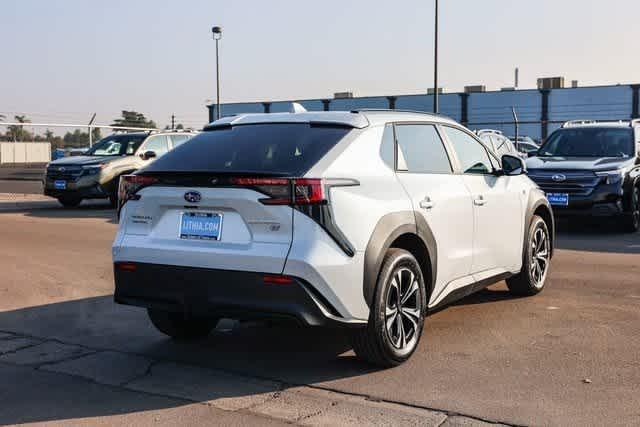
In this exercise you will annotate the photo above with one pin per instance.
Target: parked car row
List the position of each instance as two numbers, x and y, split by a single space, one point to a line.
96 172
591 169
586 168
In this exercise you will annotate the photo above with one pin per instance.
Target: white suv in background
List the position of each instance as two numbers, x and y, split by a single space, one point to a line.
362 219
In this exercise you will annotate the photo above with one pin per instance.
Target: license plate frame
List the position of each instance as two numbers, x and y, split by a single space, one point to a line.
60 184
558 199
202 234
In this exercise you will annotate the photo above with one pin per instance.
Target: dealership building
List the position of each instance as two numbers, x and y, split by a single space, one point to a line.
539 111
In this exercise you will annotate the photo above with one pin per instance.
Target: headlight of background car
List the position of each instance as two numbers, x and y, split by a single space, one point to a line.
93 169
611 177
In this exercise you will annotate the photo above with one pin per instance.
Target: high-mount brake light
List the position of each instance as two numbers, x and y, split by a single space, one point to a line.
306 191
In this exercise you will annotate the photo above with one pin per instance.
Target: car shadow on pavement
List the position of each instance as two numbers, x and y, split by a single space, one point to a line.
93 210
485 296
595 236
178 373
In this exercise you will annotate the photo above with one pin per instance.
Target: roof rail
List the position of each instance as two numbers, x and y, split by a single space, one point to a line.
572 123
388 110
491 131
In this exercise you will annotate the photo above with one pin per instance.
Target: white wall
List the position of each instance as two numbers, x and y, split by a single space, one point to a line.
25 152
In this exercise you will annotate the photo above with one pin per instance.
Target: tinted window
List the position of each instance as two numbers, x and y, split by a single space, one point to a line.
157 144
589 142
117 145
421 150
472 155
387 147
284 149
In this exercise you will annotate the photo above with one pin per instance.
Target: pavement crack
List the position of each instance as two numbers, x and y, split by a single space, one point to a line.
37 366
147 372
281 384
15 350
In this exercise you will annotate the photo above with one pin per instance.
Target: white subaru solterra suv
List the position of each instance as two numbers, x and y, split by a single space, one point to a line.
363 219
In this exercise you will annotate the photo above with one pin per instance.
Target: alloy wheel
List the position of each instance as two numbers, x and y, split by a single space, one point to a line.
403 308
540 255
635 207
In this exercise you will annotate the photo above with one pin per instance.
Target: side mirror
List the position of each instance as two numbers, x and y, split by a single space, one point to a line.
532 153
148 155
513 165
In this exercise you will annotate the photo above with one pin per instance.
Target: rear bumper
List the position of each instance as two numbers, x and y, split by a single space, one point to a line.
223 293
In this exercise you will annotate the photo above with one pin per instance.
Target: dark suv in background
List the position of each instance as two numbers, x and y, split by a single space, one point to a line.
592 169
95 174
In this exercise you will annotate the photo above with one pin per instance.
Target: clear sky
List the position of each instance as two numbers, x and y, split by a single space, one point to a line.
63 60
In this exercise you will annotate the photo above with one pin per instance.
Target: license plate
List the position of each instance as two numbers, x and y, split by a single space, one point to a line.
200 226
558 199
60 185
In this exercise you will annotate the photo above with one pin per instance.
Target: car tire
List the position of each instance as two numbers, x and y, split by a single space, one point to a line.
69 201
179 327
631 222
536 261
390 339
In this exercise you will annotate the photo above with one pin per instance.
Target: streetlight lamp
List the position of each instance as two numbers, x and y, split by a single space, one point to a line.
217 35
435 66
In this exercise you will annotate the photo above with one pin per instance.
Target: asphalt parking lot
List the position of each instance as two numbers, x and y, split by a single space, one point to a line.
69 354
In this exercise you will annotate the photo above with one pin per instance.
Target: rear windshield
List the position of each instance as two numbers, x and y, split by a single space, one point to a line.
589 142
276 149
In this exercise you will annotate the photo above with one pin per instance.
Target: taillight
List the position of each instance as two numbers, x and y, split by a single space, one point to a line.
272 279
129 187
278 189
286 191
309 191
129 267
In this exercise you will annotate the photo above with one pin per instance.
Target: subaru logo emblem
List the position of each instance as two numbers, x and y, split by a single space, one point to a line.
192 196
559 178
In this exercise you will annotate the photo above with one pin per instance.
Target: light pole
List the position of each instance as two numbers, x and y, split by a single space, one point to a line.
435 66
217 35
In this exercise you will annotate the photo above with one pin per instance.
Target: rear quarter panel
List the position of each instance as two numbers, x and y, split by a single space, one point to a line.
358 209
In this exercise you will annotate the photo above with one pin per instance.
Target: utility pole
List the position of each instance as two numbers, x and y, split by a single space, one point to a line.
435 66
173 121
91 129
217 35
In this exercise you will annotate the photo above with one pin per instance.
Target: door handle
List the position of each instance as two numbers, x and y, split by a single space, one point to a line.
427 203
479 201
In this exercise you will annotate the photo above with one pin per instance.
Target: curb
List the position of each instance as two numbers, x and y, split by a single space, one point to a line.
20 206
14 178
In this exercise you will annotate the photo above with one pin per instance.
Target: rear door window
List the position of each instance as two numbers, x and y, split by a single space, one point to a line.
420 149
289 149
157 144
178 140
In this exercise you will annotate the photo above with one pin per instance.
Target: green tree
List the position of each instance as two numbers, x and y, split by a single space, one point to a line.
76 139
96 134
17 132
48 134
133 119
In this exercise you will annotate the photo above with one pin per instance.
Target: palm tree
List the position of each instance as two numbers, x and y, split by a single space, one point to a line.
17 131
